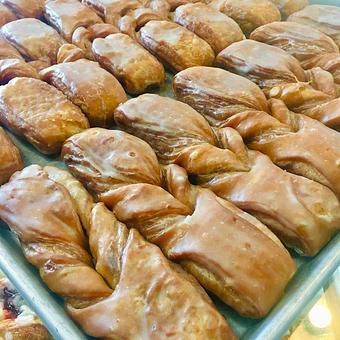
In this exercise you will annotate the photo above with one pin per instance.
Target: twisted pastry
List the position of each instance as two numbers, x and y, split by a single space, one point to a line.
45 207
288 138
123 172
268 66
310 46
303 213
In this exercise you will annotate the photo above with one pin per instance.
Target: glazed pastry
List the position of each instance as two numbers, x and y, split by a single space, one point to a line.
123 171
218 30
33 39
67 15
304 214
68 53
324 18
132 65
53 240
24 8
288 7
7 51
176 3
303 98
96 91
218 94
83 37
289 140
227 99
249 14
175 46
40 113
11 68
17 321
265 65
6 15
10 158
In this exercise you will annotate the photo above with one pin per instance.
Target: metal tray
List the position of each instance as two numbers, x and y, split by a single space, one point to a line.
311 276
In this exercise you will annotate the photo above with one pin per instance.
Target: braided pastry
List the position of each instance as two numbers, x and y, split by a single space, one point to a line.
123 171
288 138
151 297
303 213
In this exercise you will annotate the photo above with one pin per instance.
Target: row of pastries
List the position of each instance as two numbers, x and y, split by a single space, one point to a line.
207 190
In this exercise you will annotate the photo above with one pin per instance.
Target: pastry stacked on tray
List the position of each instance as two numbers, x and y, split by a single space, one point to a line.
206 192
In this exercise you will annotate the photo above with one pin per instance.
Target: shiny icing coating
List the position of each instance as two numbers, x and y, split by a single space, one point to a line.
165 299
179 135
96 91
299 40
7 51
33 39
217 29
123 172
175 46
288 7
11 68
40 113
67 15
130 63
249 14
6 15
217 94
322 17
263 64
11 160
24 8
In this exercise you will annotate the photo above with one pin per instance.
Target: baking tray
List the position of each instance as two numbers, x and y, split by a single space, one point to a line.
301 293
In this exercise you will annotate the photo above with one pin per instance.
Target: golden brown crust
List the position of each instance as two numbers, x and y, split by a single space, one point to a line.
249 14
34 39
68 53
67 15
114 173
131 64
265 65
6 15
25 9
300 217
30 330
11 68
96 91
217 94
288 7
299 40
10 157
322 17
7 51
217 29
138 272
175 46
45 118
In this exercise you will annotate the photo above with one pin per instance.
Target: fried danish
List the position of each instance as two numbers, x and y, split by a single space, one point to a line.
303 213
127 267
24 8
40 113
130 63
217 29
10 157
33 39
67 15
265 65
175 46
96 91
123 171
322 17
249 14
